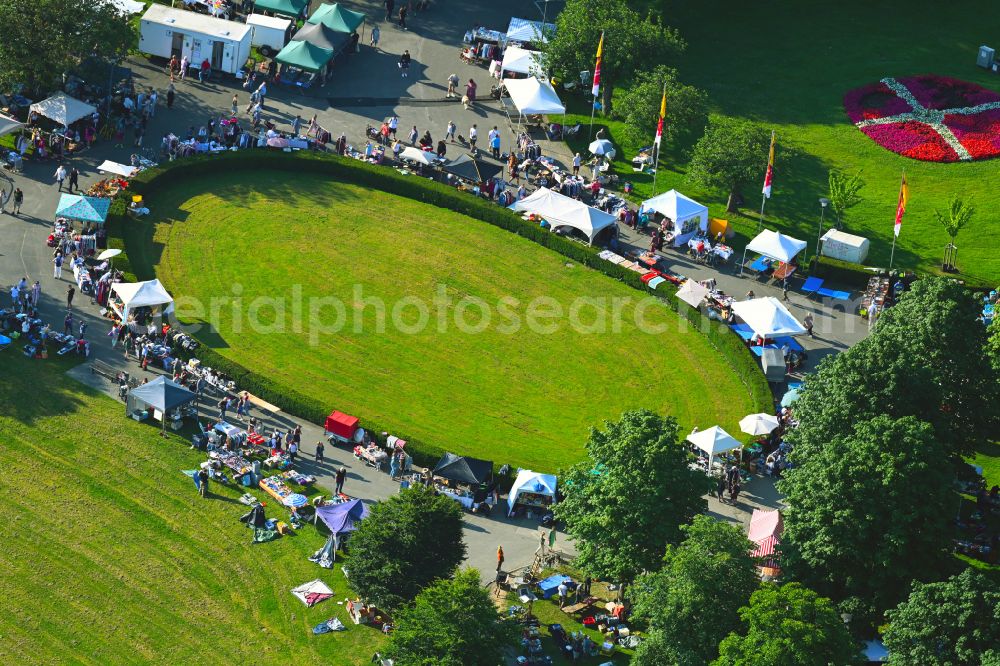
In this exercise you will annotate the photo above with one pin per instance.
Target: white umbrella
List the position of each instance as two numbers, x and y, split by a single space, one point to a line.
758 424
417 155
602 147
107 254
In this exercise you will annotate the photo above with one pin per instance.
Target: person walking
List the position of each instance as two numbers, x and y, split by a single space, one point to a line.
171 93
36 293
185 63
376 34
18 200
70 291
404 64
808 323
750 295
734 490
234 108
341 477
403 11
223 406
319 451
297 126
389 6
68 323
720 488
74 179
60 176
576 164
413 136
784 293
473 136
57 262
453 86
563 592
293 450
499 557
450 131
151 103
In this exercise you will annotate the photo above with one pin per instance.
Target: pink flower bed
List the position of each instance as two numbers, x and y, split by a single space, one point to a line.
921 131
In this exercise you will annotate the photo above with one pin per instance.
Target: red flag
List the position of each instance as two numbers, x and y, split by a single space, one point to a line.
770 170
597 67
904 195
659 124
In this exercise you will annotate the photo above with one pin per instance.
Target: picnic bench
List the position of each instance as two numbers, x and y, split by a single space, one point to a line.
580 606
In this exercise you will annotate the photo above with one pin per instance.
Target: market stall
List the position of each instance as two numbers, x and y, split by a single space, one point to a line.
692 293
63 109
126 297
713 441
342 519
777 253
318 34
343 428
484 45
300 57
529 32
337 18
562 211
532 489
470 169
459 471
123 170
688 217
160 399
93 210
8 125
768 318
532 97
765 532
520 61
290 8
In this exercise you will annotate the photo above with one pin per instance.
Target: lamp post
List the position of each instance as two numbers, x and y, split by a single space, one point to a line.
823 203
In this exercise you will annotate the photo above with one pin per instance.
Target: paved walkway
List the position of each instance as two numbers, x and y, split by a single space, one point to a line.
434 41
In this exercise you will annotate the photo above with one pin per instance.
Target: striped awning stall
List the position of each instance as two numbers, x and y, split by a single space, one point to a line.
765 531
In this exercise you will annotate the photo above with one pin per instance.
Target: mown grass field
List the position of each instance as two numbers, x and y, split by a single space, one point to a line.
507 393
788 66
110 557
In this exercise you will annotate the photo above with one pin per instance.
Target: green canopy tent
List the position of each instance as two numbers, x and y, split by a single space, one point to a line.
305 56
319 35
291 8
337 18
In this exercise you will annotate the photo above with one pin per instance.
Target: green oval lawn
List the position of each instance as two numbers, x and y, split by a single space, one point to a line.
527 398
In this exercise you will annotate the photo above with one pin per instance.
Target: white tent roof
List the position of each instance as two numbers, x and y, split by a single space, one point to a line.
768 317
123 170
676 206
531 482
692 293
758 424
416 155
63 109
562 211
8 125
523 30
775 245
533 96
140 294
713 441
128 7
522 61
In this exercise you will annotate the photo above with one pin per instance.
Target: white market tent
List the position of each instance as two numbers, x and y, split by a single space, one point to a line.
521 61
774 245
123 170
768 317
416 155
713 441
562 211
689 216
523 30
692 293
8 125
127 7
531 482
63 109
531 96
142 294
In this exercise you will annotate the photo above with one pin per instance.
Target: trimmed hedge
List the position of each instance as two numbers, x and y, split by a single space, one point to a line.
133 233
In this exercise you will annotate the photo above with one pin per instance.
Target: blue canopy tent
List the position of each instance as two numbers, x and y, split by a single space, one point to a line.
84 209
342 519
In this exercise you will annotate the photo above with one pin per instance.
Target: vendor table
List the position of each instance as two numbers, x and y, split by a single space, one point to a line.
466 502
784 271
276 488
550 586
236 435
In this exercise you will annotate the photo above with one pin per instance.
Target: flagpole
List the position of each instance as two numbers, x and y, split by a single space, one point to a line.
763 194
595 88
590 131
656 166
892 253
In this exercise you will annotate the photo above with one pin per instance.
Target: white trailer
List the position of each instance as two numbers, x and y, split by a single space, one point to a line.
270 33
165 31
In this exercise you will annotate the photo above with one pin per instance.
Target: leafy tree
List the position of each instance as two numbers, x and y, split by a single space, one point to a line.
453 622
631 43
844 193
993 344
788 625
656 650
925 358
731 153
955 622
406 543
694 599
959 215
869 512
639 106
42 39
629 499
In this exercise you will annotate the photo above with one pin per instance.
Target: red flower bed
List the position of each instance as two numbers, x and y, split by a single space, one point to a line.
930 118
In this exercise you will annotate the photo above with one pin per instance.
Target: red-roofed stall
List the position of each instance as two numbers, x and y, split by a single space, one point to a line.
342 427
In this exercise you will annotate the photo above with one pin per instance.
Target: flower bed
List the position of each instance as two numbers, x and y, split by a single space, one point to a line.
930 118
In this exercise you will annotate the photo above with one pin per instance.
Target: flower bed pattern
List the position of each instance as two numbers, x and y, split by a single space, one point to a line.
930 118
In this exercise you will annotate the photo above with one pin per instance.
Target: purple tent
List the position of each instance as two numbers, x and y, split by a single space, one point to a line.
343 518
